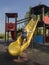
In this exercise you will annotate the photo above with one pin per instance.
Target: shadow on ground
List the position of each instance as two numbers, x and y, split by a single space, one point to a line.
7 60
35 63
44 48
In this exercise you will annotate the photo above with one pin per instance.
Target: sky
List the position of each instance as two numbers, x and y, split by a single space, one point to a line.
16 6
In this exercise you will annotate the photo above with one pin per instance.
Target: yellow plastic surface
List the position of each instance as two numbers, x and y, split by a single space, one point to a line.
15 48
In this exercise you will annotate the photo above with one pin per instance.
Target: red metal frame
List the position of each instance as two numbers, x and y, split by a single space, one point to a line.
9 26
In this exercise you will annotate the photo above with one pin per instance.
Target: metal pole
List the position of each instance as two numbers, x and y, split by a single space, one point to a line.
44 33
8 31
5 27
42 13
44 24
15 27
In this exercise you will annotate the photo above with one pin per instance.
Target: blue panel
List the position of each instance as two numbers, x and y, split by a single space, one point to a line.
38 39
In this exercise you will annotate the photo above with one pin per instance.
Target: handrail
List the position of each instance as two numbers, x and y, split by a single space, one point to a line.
23 20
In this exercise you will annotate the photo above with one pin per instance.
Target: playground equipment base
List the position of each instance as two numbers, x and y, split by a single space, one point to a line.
22 58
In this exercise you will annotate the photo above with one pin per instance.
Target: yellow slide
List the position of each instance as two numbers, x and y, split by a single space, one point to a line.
15 48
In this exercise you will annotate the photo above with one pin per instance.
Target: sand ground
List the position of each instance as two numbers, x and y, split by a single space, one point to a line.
37 55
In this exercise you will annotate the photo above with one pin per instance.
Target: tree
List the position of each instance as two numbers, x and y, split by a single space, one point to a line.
28 14
47 14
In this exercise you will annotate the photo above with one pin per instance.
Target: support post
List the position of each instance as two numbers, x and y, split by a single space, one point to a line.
42 13
44 24
8 31
5 28
44 33
15 27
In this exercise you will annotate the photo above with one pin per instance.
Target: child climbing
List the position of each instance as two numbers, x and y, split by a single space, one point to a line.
24 35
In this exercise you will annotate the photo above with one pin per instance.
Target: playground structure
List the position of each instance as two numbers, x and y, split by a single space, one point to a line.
42 30
15 48
10 26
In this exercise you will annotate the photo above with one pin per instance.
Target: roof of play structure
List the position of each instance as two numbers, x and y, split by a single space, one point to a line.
11 15
38 9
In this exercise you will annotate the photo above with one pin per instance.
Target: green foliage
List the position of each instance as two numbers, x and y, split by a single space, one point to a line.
2 36
47 14
28 14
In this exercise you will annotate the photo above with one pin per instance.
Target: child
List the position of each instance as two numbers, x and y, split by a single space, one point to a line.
24 35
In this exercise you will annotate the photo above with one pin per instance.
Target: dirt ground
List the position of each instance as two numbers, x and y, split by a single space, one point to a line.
37 55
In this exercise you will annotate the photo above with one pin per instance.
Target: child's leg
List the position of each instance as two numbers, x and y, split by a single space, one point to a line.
22 40
26 39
